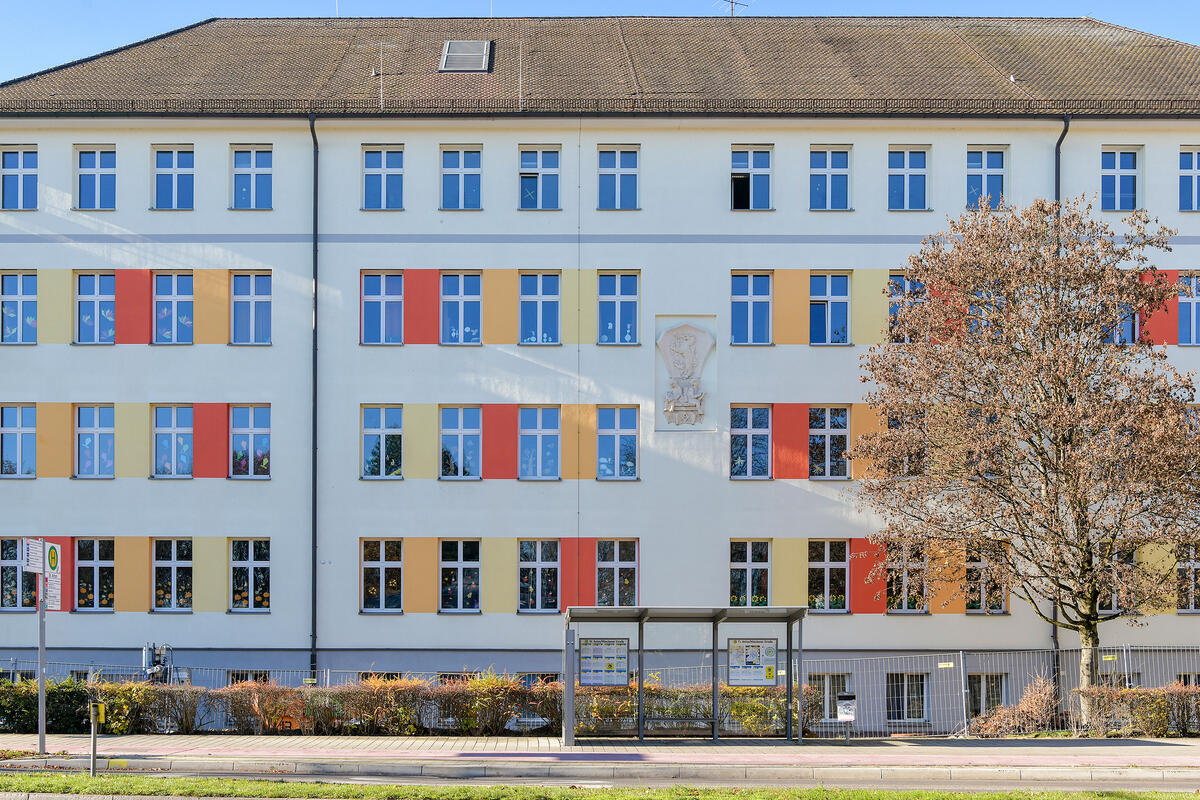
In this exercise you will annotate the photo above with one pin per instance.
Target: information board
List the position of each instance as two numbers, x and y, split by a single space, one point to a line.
604 662
35 555
752 662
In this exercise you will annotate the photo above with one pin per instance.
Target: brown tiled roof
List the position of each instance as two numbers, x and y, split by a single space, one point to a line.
687 65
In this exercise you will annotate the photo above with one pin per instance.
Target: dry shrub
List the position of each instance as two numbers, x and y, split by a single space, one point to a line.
1142 712
391 707
258 707
1036 711
181 709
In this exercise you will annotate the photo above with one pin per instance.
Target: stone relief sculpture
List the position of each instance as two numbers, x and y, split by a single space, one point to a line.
684 348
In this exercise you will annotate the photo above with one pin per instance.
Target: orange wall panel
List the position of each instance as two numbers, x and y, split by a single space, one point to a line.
420 575
499 440
211 293
210 428
789 440
55 440
578 559
578 442
421 306
863 557
135 301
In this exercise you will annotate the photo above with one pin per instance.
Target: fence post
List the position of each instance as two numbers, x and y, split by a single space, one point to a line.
1125 664
962 675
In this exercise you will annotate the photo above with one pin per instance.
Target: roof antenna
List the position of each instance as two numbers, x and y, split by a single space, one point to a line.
733 5
336 11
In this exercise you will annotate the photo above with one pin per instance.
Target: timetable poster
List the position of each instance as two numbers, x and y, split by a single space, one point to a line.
752 662
603 662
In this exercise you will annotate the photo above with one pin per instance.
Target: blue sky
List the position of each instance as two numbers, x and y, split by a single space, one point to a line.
41 35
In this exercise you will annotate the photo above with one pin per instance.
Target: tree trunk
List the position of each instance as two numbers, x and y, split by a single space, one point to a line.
1089 656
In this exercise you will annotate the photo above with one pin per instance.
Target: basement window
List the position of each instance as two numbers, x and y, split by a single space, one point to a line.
466 56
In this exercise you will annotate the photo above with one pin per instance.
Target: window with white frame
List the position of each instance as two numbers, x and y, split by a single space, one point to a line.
749 441
1189 179
616 443
252 177
173 451
96 179
750 308
18 177
1119 178
539 179
1189 309
174 179
459 575
984 594
985 176
461 300
1187 570
902 291
828 437
18 441
18 308
828 574
382 308
251 318
173 307
18 588
1126 330
250 440
749 573
95 570
383 178
616 572
538 574
95 308
172 574
829 686
95 444
750 179
382 575
907 175
829 179
828 309
906 696
985 693
250 575
461 433
617 295
906 581
462 174
538 443
382 428
539 298
618 178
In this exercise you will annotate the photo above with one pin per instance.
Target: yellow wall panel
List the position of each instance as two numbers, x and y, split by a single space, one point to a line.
862 420
498 579
1162 559
132 430
420 441
55 437
56 297
131 559
210 575
869 305
211 292
420 575
790 568
791 306
579 442
586 321
501 306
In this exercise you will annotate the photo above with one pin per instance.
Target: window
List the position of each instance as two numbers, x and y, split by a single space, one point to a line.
96 171
460 307
906 582
749 441
1189 179
251 317
95 568
251 178
616 572
1188 678
907 175
250 432
1126 331
902 291
18 588
460 575
750 310
616 443
236 676
1120 680
538 575
829 309
750 180
173 442
18 178
461 434
173 309
18 308
96 308
1189 309
1118 180
174 179
250 574
383 178
382 567
172 574
829 686
95 446
984 595
1188 573
539 179
382 308
749 573
538 442
985 693
466 56
828 569
828 435
539 308
618 179
618 308
381 431
985 177
829 180
906 697
18 441
461 176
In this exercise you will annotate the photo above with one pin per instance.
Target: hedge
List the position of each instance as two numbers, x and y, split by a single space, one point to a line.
1140 712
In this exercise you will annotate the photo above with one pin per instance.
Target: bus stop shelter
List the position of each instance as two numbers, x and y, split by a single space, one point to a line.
788 616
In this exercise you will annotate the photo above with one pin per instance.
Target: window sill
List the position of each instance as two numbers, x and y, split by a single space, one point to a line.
382 612
93 611
615 479
751 344
18 210
900 612
380 478
618 344
170 477
17 477
831 344
830 210
751 210
460 209
249 478
74 208
751 478
170 209
171 611
1188 612
831 478
453 479
639 208
461 344
231 208
171 344
381 344
910 210
539 612
17 344
535 479
94 344
979 613
18 611
539 209
460 612
829 612
1121 210
249 612
376 210
249 344
539 344
93 477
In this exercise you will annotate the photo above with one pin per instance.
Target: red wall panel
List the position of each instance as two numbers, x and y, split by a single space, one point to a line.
863 557
499 440
1163 326
135 306
210 440
66 547
421 306
578 560
789 440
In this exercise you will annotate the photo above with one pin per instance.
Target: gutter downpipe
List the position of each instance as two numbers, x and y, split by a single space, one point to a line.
1056 666
312 653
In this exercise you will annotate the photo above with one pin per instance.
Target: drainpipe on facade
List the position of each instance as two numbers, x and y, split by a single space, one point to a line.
312 653
1055 665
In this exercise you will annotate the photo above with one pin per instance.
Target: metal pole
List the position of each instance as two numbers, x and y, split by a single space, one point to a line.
800 677
92 715
716 700
962 677
1125 659
641 673
568 710
787 725
41 676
